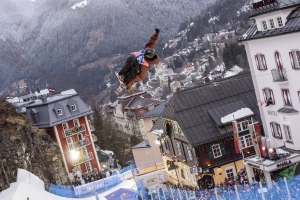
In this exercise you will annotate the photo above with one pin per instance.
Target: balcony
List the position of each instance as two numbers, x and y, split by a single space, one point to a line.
95 138
79 144
279 75
83 159
72 131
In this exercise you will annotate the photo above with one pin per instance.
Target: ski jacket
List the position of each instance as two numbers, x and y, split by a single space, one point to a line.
146 63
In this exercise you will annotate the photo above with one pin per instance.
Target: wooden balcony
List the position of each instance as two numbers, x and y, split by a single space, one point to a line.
279 75
73 131
83 159
79 144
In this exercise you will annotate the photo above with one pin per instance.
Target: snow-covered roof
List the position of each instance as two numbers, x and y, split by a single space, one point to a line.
233 71
244 112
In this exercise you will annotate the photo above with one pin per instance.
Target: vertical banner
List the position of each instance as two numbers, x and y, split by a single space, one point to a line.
256 138
235 137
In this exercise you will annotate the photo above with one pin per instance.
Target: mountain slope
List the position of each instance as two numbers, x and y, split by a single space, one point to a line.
49 40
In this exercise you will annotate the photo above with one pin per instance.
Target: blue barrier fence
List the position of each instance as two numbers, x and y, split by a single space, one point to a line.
125 169
85 190
63 191
281 190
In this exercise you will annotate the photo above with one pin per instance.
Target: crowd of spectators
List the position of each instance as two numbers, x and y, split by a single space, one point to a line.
89 177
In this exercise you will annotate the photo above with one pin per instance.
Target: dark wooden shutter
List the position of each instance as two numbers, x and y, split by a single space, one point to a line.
265 95
210 152
223 150
278 60
279 131
257 62
272 96
272 129
292 60
264 62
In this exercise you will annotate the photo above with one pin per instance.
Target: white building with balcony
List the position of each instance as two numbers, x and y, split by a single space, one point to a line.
273 52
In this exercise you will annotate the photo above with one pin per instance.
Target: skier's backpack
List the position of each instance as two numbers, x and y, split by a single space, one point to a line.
134 69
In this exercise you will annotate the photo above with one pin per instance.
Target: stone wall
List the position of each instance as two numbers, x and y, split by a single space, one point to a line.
24 146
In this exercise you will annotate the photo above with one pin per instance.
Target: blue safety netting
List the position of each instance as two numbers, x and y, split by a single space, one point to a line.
62 190
125 169
280 190
85 190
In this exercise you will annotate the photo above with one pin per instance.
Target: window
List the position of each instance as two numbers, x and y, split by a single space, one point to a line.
73 107
268 94
279 22
166 145
295 59
59 111
79 136
288 133
88 167
276 130
271 23
229 173
153 122
84 152
186 171
243 126
178 148
246 141
65 126
261 62
216 150
264 25
295 13
147 152
69 142
286 97
76 122
190 154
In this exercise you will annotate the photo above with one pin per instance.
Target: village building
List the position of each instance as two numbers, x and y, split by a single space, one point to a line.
66 118
274 59
205 140
127 109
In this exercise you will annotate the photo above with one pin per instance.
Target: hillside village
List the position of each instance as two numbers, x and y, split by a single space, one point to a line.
199 127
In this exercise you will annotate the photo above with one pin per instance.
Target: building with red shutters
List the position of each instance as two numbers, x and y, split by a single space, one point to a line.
65 117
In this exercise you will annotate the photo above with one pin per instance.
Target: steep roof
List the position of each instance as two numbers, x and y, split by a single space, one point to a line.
192 107
292 25
144 144
155 112
46 110
278 5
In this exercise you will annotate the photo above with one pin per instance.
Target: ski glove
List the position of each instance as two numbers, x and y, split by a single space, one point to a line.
157 30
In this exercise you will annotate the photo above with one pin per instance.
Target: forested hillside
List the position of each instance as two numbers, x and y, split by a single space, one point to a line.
56 41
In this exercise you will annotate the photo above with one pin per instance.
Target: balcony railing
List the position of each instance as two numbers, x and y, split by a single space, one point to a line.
82 159
72 131
79 144
95 138
279 75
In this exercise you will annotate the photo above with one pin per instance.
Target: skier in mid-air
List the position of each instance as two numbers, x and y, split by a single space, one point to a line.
137 64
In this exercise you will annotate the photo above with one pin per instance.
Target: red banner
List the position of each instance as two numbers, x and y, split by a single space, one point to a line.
258 137
235 137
